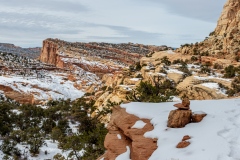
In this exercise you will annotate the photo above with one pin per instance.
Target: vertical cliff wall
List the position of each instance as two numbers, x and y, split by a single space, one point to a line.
49 52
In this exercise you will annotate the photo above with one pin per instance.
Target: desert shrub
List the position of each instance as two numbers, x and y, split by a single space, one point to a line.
229 71
217 66
194 58
166 61
205 69
161 91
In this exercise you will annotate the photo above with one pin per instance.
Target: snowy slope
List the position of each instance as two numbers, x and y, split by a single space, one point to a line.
52 87
217 137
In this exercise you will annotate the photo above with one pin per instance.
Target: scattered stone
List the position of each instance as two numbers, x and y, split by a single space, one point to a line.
198 116
183 144
187 137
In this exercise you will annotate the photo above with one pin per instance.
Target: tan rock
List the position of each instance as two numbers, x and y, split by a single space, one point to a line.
179 118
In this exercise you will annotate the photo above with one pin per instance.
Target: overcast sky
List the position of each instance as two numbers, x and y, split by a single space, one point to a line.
27 23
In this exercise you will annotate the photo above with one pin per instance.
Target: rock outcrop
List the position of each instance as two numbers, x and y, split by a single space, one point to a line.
223 42
122 133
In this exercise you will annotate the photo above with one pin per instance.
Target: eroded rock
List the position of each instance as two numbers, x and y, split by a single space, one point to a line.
121 124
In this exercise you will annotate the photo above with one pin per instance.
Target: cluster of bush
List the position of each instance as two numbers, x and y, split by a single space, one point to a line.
32 125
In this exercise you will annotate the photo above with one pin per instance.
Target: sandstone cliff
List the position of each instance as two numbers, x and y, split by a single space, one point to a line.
223 42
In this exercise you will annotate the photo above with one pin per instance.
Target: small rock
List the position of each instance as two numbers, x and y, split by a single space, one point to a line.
198 116
187 137
185 105
183 144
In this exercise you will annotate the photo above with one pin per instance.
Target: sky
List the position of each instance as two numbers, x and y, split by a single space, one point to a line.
27 23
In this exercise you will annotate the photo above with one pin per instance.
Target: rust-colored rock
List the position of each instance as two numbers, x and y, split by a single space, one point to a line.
186 102
198 117
185 105
179 118
187 137
121 135
183 144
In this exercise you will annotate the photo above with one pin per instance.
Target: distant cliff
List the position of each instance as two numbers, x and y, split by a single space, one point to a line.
224 41
94 57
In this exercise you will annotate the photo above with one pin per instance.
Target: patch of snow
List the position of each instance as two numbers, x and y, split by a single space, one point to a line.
216 87
211 77
124 156
215 138
176 99
135 79
174 71
211 85
170 52
119 136
139 124
198 112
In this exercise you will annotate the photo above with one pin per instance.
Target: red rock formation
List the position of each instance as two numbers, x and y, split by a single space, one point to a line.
49 52
121 135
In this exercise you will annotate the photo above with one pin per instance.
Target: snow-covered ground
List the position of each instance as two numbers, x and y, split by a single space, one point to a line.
52 87
217 137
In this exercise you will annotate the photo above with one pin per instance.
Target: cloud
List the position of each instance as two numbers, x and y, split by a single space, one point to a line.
171 22
206 10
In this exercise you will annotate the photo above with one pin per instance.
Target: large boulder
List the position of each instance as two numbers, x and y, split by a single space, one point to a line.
179 118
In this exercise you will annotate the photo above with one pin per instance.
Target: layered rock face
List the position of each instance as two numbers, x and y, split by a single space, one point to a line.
224 41
98 58
122 133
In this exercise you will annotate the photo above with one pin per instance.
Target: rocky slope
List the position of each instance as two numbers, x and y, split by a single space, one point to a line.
223 42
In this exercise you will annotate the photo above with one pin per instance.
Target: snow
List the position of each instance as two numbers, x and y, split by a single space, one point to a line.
139 124
174 71
52 87
170 52
216 87
119 136
135 79
211 85
216 137
124 156
212 77
199 112
50 147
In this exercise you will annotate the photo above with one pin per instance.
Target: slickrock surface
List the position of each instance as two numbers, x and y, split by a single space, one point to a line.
121 134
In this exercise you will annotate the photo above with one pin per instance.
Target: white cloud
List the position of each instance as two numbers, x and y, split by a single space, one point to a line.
171 22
